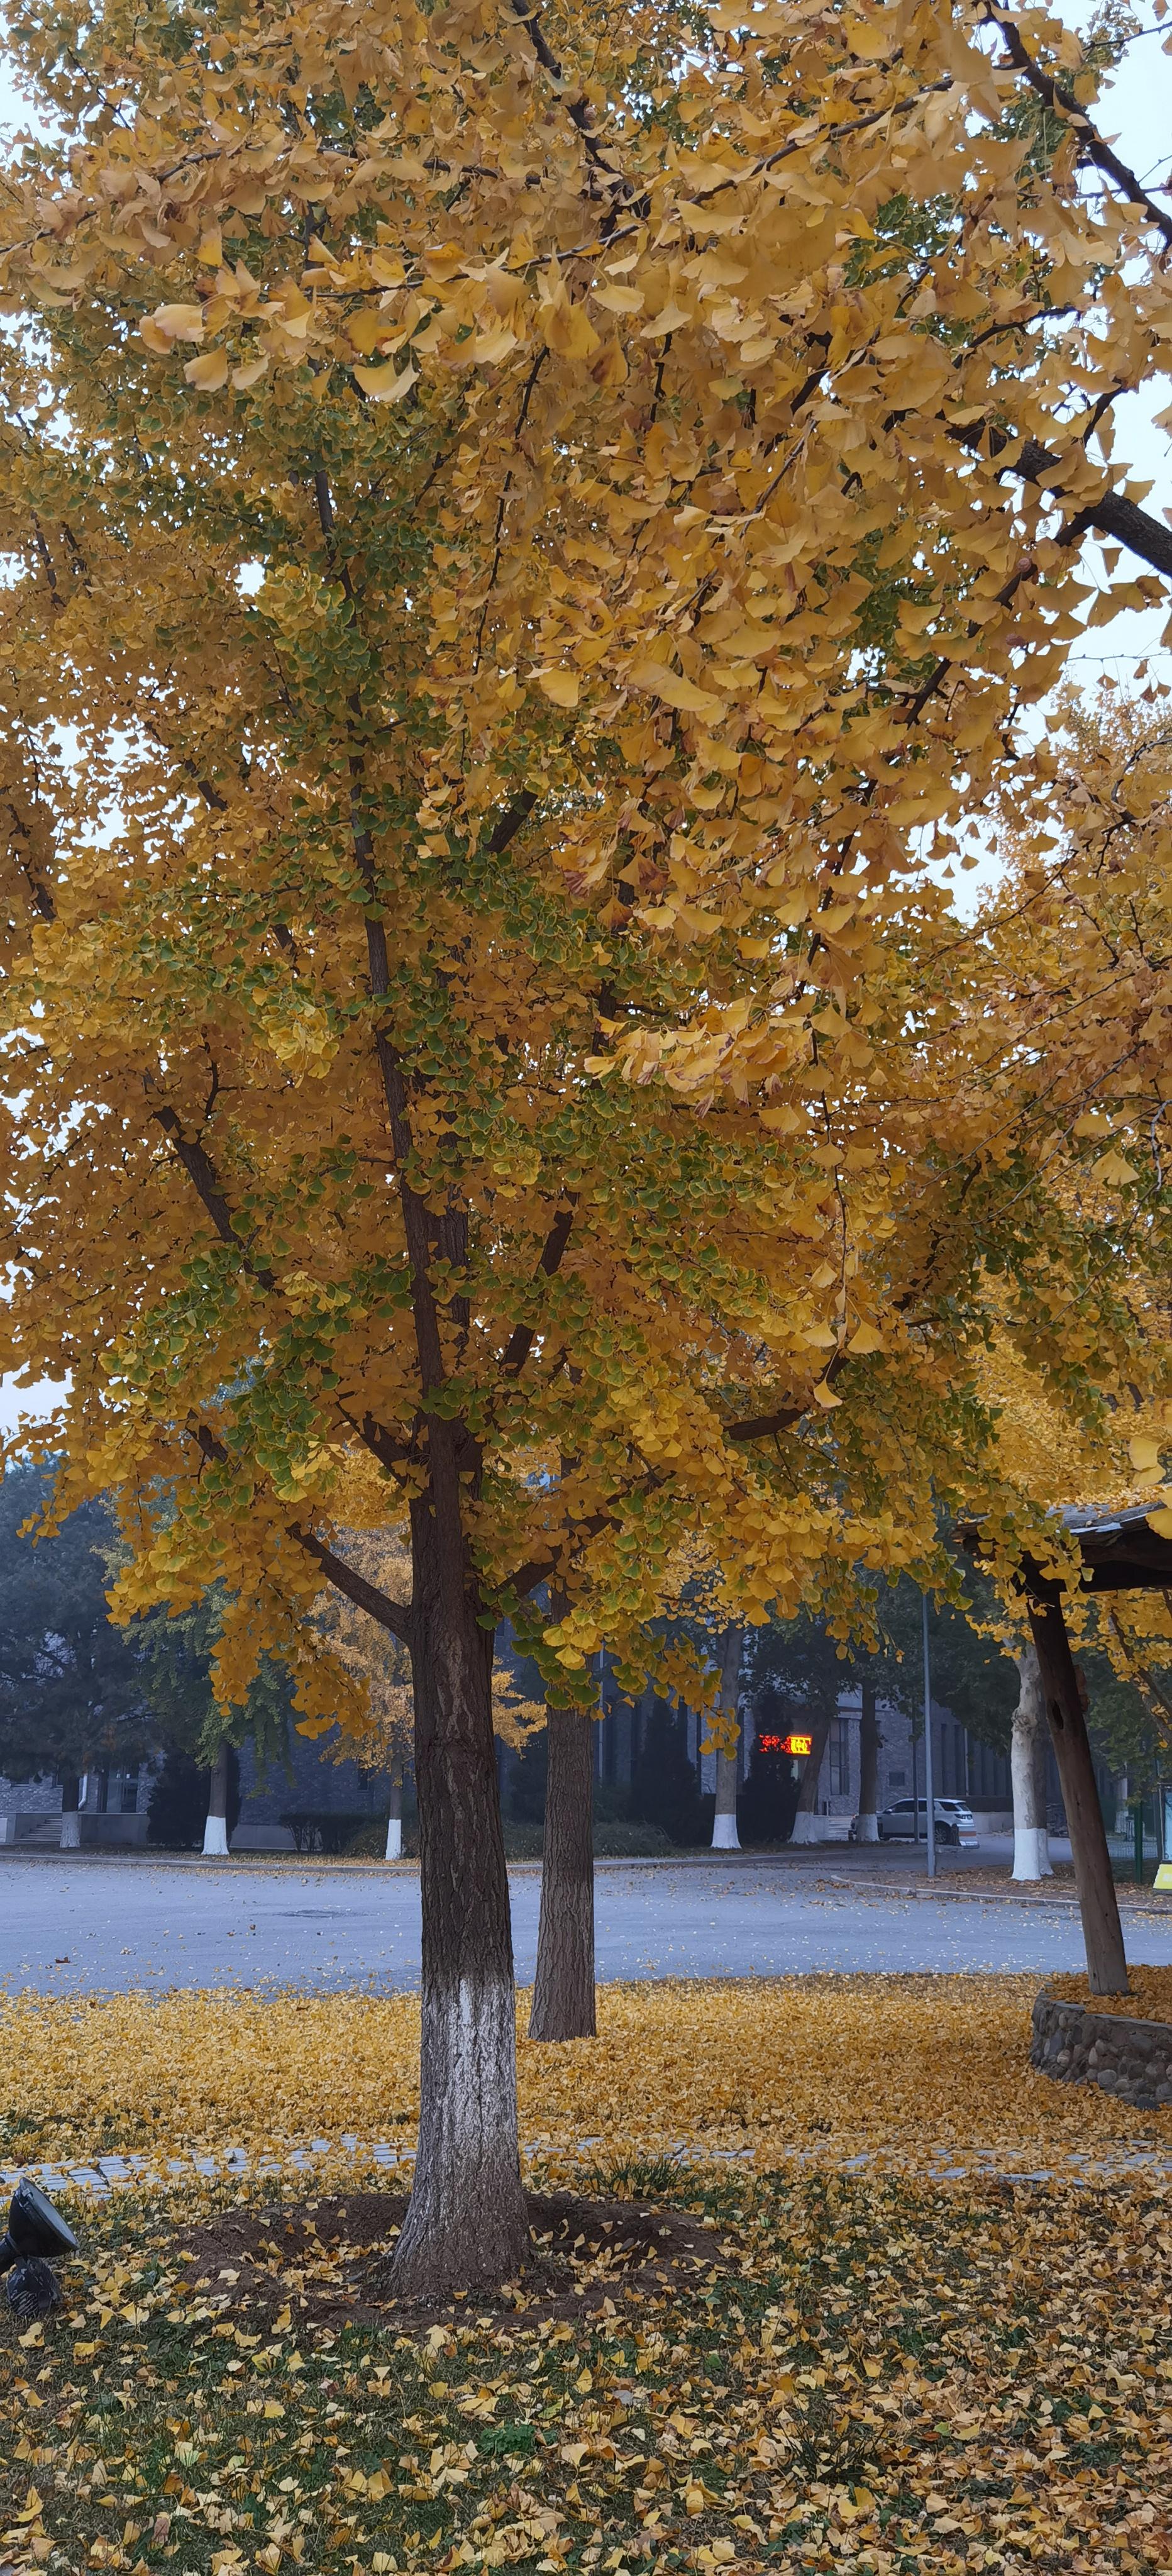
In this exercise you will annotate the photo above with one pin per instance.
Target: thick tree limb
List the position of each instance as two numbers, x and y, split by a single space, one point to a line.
511 821
523 1336
201 1171
759 1426
395 1615
1110 515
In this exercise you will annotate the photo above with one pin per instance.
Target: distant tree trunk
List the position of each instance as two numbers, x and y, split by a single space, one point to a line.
70 1823
867 1830
563 1989
215 1832
724 1822
394 1849
803 1831
1031 1841
1102 1932
466 2223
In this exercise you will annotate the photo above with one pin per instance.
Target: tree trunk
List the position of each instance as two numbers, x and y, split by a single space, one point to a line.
215 1832
1102 1932
394 1849
724 1822
563 1989
466 2225
866 1828
1031 1841
804 1820
70 1825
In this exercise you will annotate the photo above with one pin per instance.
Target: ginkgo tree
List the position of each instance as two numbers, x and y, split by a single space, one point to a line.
517 520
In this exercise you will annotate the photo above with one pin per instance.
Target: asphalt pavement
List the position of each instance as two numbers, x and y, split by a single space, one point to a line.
104 1924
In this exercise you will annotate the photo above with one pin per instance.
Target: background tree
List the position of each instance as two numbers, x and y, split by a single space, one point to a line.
580 592
379 1734
201 1737
72 1695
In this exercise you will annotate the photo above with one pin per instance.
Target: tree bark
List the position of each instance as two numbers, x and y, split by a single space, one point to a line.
724 1821
394 1850
215 1832
1102 1932
803 1831
867 1830
563 1989
466 2226
1031 1841
70 1824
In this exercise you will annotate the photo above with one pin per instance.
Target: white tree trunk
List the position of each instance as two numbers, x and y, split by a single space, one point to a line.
866 1827
394 1849
1123 1825
71 1796
215 1832
724 1822
1031 1840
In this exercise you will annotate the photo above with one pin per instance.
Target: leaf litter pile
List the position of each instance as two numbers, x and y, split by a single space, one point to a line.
897 2067
707 2368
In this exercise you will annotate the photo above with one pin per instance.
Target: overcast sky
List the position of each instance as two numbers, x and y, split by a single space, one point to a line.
1136 112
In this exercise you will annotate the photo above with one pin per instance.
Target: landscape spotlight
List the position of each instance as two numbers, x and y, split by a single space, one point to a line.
36 2231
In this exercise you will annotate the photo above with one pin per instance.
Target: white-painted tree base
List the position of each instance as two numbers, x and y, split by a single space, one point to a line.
724 1834
1031 1852
805 1828
215 1838
866 1829
70 1831
394 1838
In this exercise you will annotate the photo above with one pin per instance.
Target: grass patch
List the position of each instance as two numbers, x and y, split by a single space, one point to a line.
772 2412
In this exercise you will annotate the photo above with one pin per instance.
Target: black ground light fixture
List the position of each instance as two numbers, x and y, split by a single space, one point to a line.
36 2233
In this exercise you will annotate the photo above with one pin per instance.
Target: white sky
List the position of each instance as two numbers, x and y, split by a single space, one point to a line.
1136 113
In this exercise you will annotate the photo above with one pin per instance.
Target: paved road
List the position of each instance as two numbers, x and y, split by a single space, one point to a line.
100 1926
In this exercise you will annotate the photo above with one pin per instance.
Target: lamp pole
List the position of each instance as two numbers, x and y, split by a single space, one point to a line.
929 1782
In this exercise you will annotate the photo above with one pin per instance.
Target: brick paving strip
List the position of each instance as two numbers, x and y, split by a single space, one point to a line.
103 2175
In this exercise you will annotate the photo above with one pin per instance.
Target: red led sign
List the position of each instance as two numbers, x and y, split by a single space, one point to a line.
786 1743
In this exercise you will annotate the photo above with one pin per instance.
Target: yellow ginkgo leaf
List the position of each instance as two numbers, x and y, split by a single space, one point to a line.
670 685
561 686
568 330
209 371
386 384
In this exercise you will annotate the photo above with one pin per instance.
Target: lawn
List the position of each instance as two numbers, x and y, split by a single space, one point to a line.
879 2368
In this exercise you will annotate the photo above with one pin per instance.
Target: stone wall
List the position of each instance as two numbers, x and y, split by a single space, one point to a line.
1079 2045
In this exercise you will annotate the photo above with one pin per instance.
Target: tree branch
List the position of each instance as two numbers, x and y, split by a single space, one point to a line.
759 1426
395 1615
511 821
523 1336
201 1171
1061 101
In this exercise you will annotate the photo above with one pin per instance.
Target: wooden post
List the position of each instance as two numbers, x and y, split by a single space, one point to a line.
1102 1931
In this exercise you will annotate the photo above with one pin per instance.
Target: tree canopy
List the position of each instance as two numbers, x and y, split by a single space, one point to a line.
527 530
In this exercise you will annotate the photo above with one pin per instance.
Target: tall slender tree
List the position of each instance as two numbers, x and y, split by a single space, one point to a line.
522 518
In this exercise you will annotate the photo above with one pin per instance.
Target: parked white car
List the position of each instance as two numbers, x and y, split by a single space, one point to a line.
955 1822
